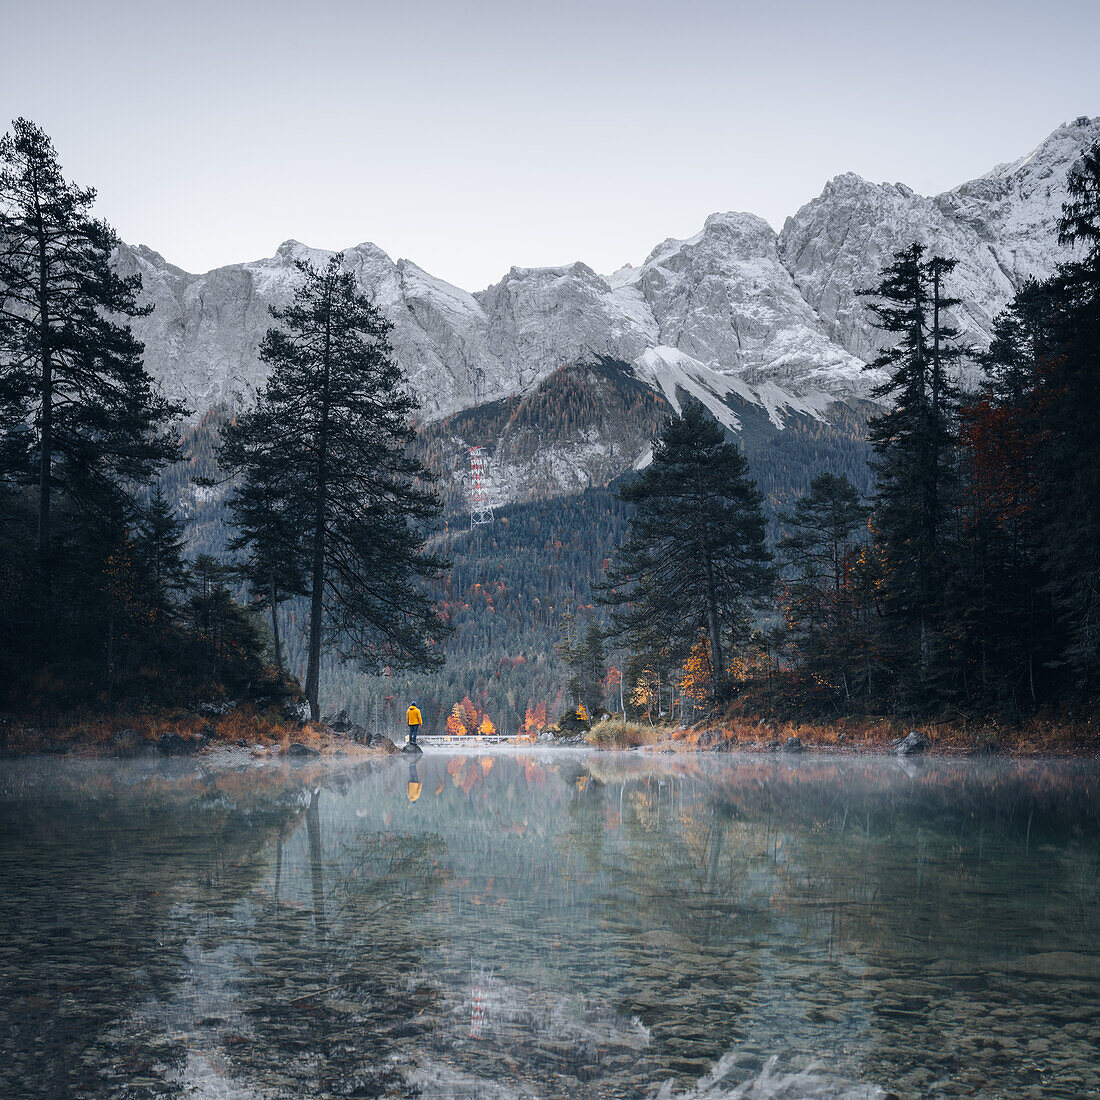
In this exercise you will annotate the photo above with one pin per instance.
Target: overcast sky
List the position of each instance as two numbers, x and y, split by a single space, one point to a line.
473 136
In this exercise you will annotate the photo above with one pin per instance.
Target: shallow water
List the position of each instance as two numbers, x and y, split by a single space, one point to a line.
550 925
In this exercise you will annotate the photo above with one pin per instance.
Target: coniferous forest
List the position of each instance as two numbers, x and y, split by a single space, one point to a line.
937 554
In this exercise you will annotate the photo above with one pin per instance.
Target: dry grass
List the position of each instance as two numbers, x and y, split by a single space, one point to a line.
1047 734
614 733
48 728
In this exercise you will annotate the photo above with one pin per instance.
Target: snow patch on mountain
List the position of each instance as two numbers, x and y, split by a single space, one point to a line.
672 371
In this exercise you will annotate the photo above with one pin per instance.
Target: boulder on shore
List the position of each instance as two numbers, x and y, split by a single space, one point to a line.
296 748
793 744
412 750
912 743
175 744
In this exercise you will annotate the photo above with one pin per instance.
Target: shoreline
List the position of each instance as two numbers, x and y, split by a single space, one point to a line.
264 730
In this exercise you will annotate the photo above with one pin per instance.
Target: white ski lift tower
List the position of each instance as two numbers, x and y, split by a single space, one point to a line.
481 511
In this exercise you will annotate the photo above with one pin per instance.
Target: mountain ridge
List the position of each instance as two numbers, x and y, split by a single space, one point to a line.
736 314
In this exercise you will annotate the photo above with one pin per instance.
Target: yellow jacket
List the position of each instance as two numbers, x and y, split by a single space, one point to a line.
413 717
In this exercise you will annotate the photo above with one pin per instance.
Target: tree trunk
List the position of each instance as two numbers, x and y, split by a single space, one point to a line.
272 593
45 457
712 625
313 671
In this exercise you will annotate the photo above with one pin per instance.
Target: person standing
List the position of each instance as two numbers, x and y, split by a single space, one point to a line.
414 720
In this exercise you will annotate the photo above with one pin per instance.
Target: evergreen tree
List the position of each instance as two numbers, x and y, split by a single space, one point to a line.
1069 414
335 418
160 544
592 669
694 560
69 364
586 660
226 636
820 553
914 445
997 615
264 520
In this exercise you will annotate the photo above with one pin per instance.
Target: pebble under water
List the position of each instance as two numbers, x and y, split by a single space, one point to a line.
549 924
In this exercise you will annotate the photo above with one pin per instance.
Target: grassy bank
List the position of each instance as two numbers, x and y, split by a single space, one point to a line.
1050 734
132 732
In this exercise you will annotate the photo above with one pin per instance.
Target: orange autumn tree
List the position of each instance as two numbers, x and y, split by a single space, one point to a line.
466 720
470 716
697 678
534 719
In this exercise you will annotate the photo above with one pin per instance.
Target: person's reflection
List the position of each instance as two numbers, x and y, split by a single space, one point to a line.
414 786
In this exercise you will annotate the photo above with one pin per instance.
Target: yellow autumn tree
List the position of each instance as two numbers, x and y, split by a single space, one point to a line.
469 715
486 729
455 726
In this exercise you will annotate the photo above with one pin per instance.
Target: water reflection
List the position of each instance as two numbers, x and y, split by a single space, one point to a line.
546 924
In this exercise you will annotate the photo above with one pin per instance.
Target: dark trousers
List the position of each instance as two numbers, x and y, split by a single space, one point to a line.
413 731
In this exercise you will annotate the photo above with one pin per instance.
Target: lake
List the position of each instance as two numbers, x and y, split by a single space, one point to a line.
550 924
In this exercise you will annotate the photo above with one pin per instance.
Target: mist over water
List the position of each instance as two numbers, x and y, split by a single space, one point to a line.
548 924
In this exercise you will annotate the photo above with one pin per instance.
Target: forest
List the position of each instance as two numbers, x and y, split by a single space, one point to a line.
934 552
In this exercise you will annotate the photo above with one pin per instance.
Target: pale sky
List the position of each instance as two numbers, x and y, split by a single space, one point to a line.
473 137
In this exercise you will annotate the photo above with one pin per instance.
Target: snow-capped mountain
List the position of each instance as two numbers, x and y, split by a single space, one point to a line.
737 315
1002 228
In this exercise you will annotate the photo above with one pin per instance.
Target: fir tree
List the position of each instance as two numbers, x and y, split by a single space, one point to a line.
69 364
1070 412
264 520
335 418
820 554
694 560
160 544
914 445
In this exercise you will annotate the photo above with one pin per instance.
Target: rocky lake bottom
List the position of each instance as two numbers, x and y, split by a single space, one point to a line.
549 923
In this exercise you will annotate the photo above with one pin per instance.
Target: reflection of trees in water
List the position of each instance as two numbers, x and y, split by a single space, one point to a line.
331 991
97 858
679 910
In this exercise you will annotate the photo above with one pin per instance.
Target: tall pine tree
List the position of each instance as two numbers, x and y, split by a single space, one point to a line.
915 462
331 427
694 561
69 365
1070 412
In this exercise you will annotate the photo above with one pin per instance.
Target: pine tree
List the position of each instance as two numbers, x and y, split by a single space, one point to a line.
335 418
694 559
69 364
1070 412
914 444
160 544
820 551
266 532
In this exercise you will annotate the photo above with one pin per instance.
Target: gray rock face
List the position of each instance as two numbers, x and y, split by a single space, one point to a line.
724 298
1001 227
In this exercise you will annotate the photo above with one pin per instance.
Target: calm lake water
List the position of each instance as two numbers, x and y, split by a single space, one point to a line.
550 925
